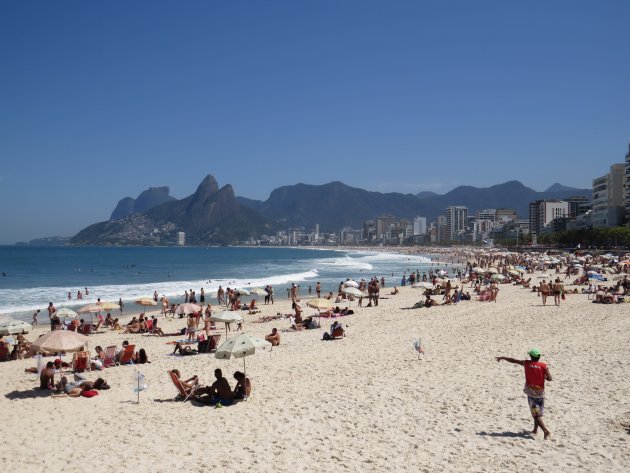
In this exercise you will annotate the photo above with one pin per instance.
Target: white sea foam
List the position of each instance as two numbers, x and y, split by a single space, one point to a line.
28 300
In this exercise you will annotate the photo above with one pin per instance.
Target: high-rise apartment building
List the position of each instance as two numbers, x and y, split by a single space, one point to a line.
419 226
543 212
456 221
608 198
627 189
383 225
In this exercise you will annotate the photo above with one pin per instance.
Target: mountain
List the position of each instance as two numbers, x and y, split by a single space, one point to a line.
148 199
336 205
211 215
425 194
559 188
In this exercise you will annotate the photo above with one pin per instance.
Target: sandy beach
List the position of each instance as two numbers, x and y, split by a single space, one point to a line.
362 403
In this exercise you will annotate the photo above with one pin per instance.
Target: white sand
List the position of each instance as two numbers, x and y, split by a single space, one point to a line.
364 403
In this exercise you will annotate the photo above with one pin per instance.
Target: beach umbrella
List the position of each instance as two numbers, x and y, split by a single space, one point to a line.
243 292
60 341
258 291
242 346
187 308
11 327
492 270
424 285
66 312
227 317
350 283
353 291
545 276
514 272
590 273
109 305
441 272
497 277
477 270
146 301
320 303
92 308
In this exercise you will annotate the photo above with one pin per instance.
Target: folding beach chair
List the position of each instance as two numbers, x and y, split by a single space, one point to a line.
110 356
126 357
81 361
182 393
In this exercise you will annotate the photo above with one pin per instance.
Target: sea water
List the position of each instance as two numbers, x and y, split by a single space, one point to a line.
31 277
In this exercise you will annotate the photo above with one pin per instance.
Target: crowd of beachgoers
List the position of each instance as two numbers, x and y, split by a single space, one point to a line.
465 296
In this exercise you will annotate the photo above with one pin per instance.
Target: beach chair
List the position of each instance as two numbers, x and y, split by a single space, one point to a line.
126 357
149 324
214 342
81 362
182 394
110 356
339 332
5 352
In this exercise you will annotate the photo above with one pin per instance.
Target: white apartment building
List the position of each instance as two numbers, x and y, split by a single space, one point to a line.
608 197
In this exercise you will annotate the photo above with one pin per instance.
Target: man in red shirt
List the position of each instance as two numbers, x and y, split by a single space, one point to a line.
535 375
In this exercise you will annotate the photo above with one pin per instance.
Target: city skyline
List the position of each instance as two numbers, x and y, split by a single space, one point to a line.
102 102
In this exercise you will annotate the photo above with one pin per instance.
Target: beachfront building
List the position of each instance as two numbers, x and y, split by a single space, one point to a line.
419 226
181 238
608 198
543 212
626 197
486 214
481 229
383 226
456 222
505 215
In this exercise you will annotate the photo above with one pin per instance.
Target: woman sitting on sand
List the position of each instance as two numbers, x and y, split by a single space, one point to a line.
141 357
133 326
188 384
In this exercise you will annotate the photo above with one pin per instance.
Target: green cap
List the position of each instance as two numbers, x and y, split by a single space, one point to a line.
535 352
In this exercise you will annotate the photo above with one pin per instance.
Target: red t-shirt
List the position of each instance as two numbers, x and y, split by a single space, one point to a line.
535 374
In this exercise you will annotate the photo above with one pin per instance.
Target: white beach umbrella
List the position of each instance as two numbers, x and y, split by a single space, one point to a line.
353 291
92 308
243 292
227 317
514 272
497 277
66 312
242 346
478 270
351 283
258 291
11 327
492 270
424 285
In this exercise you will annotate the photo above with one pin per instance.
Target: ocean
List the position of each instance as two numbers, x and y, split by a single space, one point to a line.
31 277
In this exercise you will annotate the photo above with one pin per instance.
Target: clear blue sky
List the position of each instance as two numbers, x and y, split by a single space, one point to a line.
100 100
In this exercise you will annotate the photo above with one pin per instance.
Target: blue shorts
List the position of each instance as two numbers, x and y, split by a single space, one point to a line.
536 406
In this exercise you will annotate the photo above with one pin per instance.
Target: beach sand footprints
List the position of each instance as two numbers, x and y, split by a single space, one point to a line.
622 423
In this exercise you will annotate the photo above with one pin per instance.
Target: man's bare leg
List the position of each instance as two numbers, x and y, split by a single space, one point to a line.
540 422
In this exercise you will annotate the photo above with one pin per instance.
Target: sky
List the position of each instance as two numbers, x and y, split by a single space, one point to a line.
101 100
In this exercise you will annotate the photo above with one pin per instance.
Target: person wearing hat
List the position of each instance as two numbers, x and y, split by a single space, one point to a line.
536 373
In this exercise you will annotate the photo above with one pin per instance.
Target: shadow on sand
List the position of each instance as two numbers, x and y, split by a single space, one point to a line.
29 394
524 434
